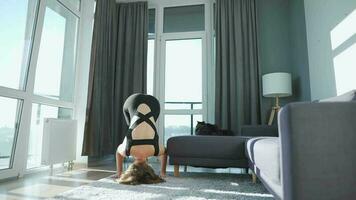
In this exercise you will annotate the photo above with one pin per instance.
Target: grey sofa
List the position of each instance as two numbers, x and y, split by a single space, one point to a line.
314 156
207 151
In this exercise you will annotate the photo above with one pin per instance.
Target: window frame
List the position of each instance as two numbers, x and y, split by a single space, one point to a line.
27 95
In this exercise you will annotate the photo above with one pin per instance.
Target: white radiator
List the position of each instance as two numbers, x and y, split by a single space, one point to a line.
59 141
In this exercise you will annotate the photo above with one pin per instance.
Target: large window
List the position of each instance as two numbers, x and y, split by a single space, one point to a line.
183 74
9 121
16 22
38 43
55 71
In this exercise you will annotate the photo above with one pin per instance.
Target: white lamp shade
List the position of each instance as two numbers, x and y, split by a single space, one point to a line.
277 84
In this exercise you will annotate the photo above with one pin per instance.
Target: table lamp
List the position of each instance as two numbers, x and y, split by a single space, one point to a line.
276 85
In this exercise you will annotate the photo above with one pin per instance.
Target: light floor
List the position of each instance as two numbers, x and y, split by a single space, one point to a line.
42 185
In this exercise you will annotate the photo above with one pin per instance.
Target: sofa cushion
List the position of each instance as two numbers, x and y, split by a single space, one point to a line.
349 96
264 154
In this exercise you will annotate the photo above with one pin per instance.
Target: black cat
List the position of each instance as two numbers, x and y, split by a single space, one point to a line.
203 128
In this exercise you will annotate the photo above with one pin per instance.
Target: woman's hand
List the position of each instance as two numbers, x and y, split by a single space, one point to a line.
116 176
162 175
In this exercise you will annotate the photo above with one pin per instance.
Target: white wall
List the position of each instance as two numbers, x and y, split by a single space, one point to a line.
331 36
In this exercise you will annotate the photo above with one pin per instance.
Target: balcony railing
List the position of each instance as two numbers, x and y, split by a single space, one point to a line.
4 162
190 105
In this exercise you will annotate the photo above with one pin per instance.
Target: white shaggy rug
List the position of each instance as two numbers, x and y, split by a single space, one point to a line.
189 186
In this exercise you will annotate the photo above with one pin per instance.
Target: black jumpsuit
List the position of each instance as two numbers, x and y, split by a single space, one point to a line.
130 110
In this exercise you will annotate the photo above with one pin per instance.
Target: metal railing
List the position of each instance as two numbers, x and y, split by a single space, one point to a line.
191 106
5 162
4 157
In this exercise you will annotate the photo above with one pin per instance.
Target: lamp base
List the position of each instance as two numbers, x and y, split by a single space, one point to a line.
274 111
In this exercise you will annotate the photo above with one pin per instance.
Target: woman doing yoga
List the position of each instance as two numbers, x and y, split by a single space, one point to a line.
141 113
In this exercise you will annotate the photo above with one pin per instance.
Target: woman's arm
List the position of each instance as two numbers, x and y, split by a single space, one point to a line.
120 155
163 158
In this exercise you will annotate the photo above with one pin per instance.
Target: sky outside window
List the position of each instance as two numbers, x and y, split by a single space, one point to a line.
16 20
49 64
183 79
8 120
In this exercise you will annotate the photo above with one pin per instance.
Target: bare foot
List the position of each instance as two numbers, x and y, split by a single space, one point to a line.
163 175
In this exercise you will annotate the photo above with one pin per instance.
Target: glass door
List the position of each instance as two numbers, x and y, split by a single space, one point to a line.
182 56
183 84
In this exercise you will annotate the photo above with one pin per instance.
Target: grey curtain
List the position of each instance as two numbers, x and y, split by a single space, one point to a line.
237 100
117 70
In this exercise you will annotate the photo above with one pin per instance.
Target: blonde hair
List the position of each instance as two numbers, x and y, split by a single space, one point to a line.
140 173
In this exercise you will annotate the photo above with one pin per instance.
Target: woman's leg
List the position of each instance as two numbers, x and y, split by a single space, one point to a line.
163 158
120 155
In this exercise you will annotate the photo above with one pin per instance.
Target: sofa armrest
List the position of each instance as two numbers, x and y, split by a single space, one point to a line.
259 131
318 142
